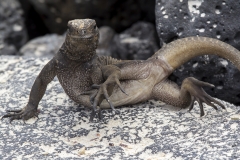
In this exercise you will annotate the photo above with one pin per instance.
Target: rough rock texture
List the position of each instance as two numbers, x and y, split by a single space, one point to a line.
137 42
150 130
47 45
117 14
106 35
12 30
217 19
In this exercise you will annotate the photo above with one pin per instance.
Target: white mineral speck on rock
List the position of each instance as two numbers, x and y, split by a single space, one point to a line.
224 62
195 65
165 16
193 6
130 40
17 27
201 30
217 11
203 15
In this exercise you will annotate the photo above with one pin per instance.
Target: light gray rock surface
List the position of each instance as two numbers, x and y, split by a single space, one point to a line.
43 46
48 45
150 130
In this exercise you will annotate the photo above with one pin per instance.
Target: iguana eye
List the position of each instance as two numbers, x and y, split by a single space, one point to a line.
84 32
95 26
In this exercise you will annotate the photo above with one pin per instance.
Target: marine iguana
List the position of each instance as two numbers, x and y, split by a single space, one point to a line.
103 82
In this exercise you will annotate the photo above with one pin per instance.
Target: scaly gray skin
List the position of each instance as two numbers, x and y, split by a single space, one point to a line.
94 81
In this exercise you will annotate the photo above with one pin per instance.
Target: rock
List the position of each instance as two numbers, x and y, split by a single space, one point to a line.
12 29
142 131
106 35
137 42
114 13
33 21
186 18
216 19
47 45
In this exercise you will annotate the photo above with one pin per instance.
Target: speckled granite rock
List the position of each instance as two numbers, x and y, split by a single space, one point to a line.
216 19
150 130
12 29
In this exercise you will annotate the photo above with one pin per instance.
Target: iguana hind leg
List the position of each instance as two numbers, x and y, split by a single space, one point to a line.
191 90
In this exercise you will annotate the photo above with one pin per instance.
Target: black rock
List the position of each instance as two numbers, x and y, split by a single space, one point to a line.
106 35
137 42
216 19
12 29
117 14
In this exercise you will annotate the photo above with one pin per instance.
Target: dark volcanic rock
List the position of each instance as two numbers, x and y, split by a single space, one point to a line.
217 19
137 42
117 14
106 35
12 30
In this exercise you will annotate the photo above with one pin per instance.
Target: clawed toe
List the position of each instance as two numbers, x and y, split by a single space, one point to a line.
194 87
102 90
14 111
209 102
24 114
14 116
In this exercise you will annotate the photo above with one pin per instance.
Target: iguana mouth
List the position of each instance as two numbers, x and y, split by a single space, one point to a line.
82 37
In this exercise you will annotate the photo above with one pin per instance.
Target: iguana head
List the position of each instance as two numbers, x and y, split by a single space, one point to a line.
81 39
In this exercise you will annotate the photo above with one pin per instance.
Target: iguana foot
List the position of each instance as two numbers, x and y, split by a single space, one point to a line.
102 90
24 114
194 87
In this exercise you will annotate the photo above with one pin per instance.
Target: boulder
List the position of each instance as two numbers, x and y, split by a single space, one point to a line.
115 13
106 35
47 45
150 130
12 29
138 42
216 19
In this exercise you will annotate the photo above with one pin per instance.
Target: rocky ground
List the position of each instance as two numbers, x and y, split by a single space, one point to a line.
128 30
150 130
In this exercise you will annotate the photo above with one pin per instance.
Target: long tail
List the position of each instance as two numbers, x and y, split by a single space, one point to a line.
180 51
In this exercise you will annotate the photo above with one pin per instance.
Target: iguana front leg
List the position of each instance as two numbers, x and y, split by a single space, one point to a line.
191 90
38 89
